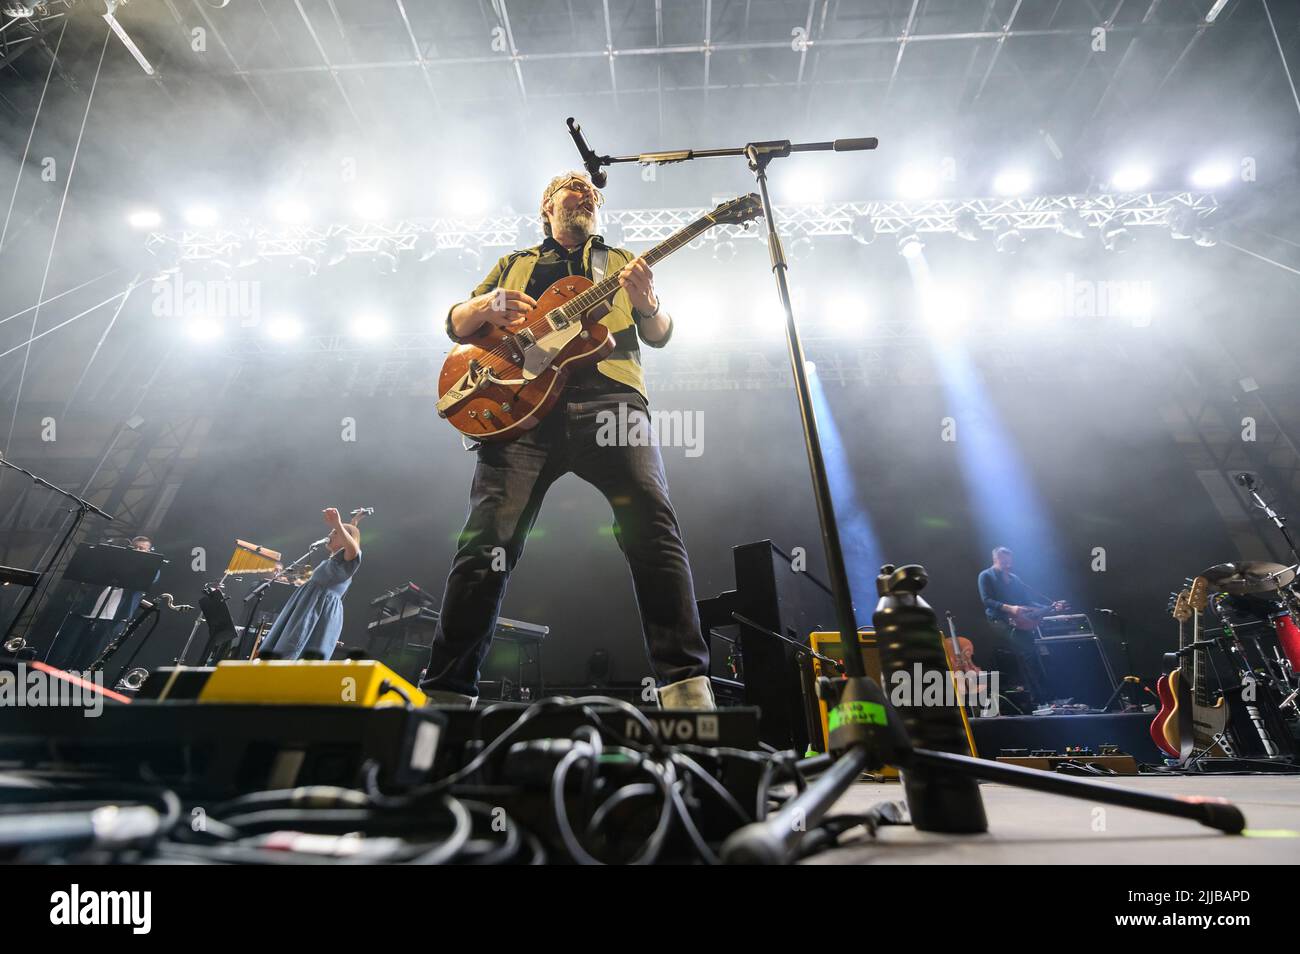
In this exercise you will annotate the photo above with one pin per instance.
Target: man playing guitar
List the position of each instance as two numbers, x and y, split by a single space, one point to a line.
511 477
1013 611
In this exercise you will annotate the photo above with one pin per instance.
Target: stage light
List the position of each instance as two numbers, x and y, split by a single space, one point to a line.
336 249
1183 223
802 248
370 205
203 329
426 246
385 262
1071 224
248 253
863 230
284 328
144 219
1012 182
201 216
917 182
1009 240
1115 237
1205 237
909 243
809 366
1212 175
308 265
368 327
1129 178
724 250
291 210
967 226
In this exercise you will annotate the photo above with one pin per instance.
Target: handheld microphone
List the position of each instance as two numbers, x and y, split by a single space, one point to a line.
589 157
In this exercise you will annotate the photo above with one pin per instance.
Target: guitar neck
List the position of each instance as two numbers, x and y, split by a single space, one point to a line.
607 287
1200 693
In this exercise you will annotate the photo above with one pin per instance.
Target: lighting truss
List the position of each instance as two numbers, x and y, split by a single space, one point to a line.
1026 213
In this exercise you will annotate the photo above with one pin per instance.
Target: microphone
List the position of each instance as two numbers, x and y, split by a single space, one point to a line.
368 511
320 543
589 157
1246 480
853 145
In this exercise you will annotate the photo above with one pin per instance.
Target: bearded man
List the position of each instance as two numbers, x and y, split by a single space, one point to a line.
511 477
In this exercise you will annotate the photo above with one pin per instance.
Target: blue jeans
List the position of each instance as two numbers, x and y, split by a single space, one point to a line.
510 481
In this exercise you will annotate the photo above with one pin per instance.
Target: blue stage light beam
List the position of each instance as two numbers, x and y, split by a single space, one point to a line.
862 556
1006 506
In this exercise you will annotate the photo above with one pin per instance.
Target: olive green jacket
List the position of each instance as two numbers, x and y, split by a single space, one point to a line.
512 273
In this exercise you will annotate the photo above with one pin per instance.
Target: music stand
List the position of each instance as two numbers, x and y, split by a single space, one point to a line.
104 565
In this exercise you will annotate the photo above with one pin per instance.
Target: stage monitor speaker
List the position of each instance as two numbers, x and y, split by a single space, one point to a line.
1076 668
793 602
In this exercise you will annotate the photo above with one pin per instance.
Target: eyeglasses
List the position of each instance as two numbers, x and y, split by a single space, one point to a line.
581 186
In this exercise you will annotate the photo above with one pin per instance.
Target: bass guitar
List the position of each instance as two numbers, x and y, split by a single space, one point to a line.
505 382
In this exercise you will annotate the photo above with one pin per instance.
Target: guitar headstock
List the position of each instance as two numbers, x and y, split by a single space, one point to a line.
1200 594
1183 607
738 211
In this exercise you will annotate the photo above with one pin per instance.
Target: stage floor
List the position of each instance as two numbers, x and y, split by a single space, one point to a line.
1038 829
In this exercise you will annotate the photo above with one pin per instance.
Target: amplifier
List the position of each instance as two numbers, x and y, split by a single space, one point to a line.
1069 624
830 644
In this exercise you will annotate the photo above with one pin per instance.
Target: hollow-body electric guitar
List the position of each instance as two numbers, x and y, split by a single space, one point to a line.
504 383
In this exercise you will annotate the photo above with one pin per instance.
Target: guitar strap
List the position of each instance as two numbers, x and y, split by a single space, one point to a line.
599 262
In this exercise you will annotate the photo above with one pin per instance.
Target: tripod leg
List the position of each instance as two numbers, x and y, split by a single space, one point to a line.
1213 813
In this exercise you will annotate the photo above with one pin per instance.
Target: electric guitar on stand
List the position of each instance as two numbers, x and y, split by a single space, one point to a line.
506 381
1209 713
1171 729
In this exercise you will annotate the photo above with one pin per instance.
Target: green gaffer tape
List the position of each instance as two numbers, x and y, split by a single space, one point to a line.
856 713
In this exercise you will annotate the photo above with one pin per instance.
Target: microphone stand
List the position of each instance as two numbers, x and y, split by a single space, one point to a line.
1250 484
83 507
757 155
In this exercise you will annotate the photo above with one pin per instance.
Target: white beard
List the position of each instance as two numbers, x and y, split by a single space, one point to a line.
578 221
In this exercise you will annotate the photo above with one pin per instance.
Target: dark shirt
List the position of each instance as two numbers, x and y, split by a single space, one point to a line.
554 263
998 589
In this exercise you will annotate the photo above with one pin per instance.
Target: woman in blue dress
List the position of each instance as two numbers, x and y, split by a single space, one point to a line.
309 625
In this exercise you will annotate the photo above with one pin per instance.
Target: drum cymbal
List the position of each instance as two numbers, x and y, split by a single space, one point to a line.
1240 579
